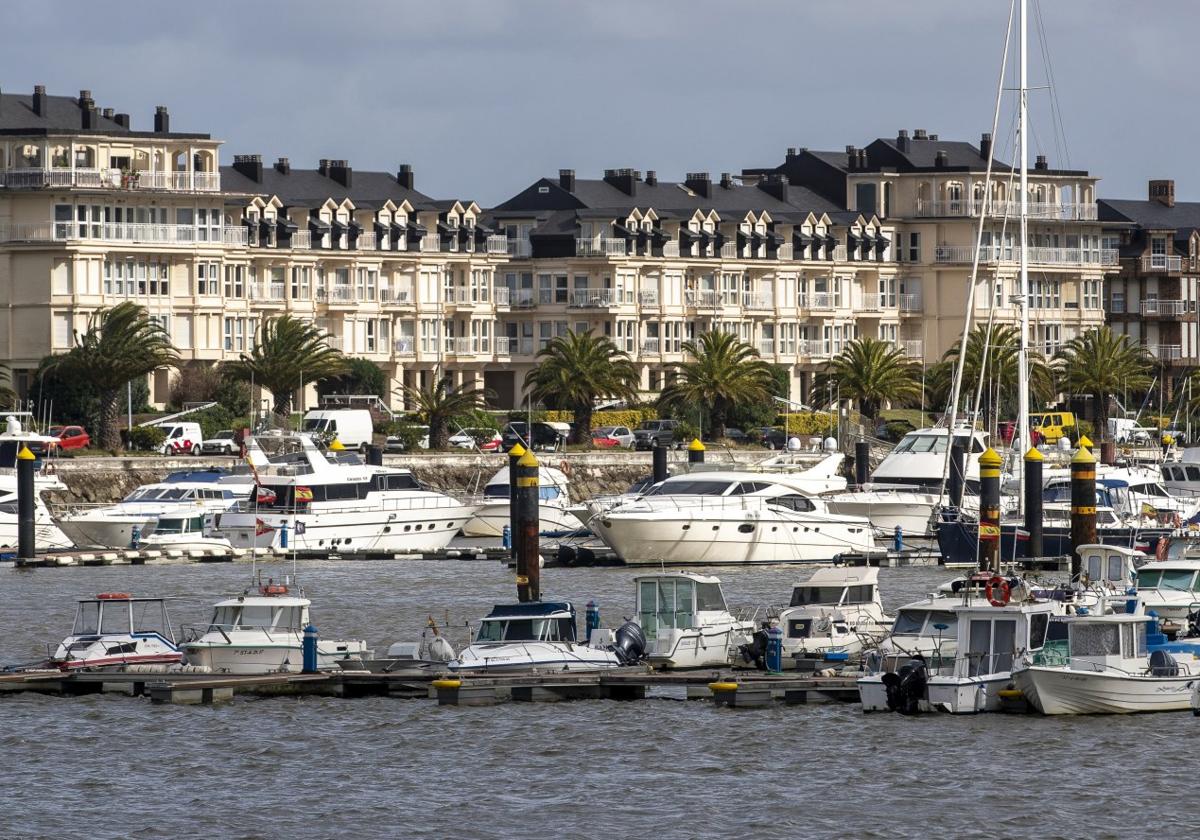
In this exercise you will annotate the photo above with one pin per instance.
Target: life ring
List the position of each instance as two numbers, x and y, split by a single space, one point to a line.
997 591
113 596
564 468
1161 548
274 589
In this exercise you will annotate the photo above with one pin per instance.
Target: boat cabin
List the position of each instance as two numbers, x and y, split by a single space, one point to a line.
118 613
552 485
543 621
919 460
990 639
1177 577
1096 642
838 588
672 601
1111 564
269 611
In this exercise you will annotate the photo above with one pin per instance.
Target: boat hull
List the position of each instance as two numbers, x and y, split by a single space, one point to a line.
384 530
911 512
710 647
527 656
282 655
490 520
957 540
107 532
1064 691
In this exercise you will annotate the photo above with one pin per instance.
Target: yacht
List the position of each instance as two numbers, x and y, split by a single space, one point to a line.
47 534
1170 589
554 504
1104 666
262 631
834 614
307 502
541 635
1182 478
725 517
686 621
125 523
115 629
186 529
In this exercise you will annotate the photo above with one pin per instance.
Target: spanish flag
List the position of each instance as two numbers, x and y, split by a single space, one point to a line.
1149 510
987 531
304 494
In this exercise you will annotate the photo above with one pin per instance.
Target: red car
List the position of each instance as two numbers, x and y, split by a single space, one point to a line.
71 437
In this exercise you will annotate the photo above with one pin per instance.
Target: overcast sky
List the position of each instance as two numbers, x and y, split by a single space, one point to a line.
484 96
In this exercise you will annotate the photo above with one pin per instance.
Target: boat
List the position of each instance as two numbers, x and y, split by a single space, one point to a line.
686 621
554 505
540 635
726 517
1103 666
116 629
431 653
262 631
124 524
1171 590
13 439
305 501
833 615
188 529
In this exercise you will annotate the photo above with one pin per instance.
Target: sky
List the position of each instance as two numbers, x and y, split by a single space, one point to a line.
482 97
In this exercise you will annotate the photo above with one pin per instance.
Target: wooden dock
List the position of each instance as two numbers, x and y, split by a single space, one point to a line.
152 557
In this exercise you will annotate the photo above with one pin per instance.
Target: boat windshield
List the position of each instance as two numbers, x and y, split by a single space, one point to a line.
150 617
696 487
257 617
180 525
913 622
1149 490
1179 580
526 630
546 492
806 594
114 616
87 619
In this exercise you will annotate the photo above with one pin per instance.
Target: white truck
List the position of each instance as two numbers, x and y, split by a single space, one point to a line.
352 427
1123 430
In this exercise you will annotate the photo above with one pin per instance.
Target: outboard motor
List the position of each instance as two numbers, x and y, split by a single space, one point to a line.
630 645
1163 664
1193 622
906 687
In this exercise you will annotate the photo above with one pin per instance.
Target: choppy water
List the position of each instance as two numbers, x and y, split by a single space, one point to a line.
112 766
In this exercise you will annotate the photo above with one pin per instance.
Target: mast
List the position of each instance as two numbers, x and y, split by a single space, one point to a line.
1023 295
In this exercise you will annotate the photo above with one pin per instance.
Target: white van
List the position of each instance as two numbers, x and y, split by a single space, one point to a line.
182 438
352 427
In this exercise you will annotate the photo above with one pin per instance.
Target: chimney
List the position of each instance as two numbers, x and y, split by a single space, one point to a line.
323 166
933 138
726 181
791 152
405 176
87 108
1163 192
1041 163
919 134
250 166
774 185
941 160
902 141
39 100
566 179
340 171
651 178
623 179
851 157
699 183
862 159
985 145
162 120
283 166
107 113
122 120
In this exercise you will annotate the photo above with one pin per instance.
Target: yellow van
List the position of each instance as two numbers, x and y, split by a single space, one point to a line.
1051 424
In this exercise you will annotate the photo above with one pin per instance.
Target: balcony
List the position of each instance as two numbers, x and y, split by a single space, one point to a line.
594 298
871 302
822 300
234 235
913 348
336 294
651 346
267 292
518 248
431 243
367 241
1163 308
1162 262
1166 352
704 299
785 252
648 297
497 243
1038 210
404 346
38 178
466 296
513 298
603 247
1037 256
670 250
510 346
395 296
729 251
455 346
758 301
811 347
302 239
909 304
134 234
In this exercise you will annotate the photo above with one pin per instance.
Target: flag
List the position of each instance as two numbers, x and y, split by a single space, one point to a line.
304 494
300 529
265 496
261 528
988 531
1149 510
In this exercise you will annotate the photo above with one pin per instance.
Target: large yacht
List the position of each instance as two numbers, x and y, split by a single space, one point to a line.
307 502
493 512
726 517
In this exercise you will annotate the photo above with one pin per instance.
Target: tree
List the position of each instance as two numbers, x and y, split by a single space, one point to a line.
288 353
577 369
438 403
1100 363
870 372
8 397
362 376
195 383
724 372
1003 349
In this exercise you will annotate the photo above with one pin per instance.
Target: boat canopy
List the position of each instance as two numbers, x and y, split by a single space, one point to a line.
532 622
672 601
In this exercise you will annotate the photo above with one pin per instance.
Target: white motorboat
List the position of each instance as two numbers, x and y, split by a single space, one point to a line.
115 629
1171 589
554 505
1106 668
686 621
46 531
262 631
725 517
541 635
125 523
837 611
1182 478
307 502
189 529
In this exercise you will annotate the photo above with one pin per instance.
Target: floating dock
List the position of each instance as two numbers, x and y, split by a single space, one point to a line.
136 557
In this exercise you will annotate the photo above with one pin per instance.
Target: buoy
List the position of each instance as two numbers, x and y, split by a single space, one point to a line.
447 683
714 687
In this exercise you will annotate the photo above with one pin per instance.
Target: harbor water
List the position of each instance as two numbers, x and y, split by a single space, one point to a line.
114 766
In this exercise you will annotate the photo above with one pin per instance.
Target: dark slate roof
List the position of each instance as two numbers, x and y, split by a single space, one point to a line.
62 115
309 188
1150 214
922 154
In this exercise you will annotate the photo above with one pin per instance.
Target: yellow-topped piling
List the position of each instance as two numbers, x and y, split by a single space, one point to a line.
1034 454
517 451
1085 442
989 510
25 455
695 452
695 445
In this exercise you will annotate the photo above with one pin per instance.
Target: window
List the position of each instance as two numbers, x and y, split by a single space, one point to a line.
235 281
301 282
914 247
206 278
1091 294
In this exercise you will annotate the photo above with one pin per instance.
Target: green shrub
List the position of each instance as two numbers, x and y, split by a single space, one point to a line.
631 417
409 434
804 423
146 438
686 432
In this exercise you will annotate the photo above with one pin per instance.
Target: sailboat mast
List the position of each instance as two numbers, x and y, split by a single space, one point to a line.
1023 296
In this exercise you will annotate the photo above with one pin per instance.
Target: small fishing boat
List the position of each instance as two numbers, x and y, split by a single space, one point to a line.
541 635
833 615
1171 588
262 631
554 505
686 621
115 629
184 530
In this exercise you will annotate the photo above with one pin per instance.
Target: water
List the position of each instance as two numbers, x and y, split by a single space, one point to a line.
112 766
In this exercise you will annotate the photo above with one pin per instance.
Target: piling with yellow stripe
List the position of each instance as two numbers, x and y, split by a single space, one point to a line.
989 510
26 533
1083 504
514 455
525 534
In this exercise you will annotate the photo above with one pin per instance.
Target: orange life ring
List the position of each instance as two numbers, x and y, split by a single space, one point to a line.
274 589
114 596
1161 548
997 591
564 468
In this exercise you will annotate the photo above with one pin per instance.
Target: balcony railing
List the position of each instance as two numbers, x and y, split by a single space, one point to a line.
670 250
1041 210
466 296
766 347
760 301
811 347
729 251
910 303
1155 306
431 243
400 296
913 348
518 248
302 239
340 294
1038 256
785 251
509 346
405 346
871 302
822 300
604 247
515 298
648 297
35 178
1161 262
704 298
595 298
367 241
267 291
1166 352
497 243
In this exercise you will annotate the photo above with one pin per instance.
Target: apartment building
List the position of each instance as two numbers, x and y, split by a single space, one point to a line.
1153 298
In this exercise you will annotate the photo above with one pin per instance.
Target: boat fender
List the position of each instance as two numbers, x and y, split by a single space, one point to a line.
998 591
564 468
1161 548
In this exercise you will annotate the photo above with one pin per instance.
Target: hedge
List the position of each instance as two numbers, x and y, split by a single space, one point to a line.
631 417
807 422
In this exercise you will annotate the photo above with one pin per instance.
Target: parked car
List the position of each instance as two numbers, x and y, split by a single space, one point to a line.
732 435
71 437
182 438
613 436
770 437
223 442
395 443
544 436
655 433
471 439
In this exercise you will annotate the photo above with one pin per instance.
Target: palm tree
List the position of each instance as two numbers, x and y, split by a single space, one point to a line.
119 345
288 353
438 403
1100 363
577 369
1003 348
871 372
724 372
8 397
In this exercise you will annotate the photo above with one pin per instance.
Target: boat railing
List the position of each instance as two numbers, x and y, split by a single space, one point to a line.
385 505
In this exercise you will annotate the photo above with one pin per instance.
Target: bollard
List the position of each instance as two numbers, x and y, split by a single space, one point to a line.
659 455
774 649
958 459
1083 504
695 452
862 462
26 532
309 649
375 456
514 455
525 534
1033 501
898 539
135 536
506 537
283 536
989 511
1108 452
591 621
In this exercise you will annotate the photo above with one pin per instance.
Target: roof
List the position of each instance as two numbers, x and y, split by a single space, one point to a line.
845 576
309 188
531 609
63 115
1150 214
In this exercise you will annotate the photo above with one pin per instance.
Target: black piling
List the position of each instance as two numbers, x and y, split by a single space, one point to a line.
695 452
1033 501
514 455
375 456
958 459
862 462
659 454
525 534
1083 504
26 466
